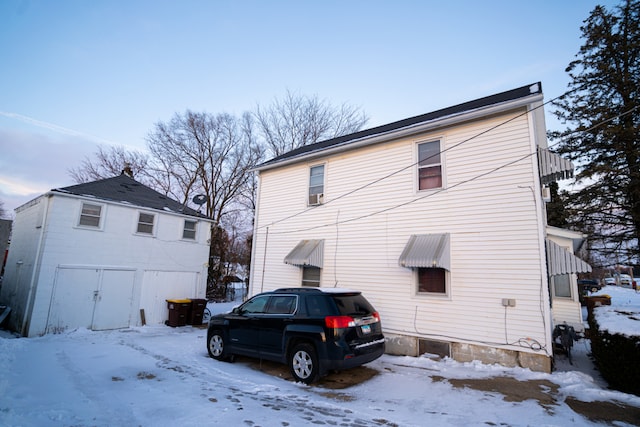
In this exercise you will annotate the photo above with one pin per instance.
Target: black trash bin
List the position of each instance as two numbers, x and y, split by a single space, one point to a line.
178 312
197 311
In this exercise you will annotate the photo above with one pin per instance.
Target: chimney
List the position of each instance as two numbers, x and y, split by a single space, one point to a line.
127 170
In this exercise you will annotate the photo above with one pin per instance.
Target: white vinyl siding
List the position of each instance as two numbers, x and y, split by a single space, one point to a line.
495 245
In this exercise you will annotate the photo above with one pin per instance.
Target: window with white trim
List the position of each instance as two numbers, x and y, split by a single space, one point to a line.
316 184
90 215
311 276
432 281
189 230
429 165
562 285
145 223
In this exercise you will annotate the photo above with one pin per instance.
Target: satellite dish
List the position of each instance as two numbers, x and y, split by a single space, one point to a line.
200 199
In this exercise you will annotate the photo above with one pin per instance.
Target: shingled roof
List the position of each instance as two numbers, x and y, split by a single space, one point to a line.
488 101
124 189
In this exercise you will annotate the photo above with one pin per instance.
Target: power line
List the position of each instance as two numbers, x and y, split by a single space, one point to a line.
437 154
431 194
415 163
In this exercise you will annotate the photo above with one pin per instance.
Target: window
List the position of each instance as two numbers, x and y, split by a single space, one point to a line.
562 285
281 304
189 231
145 223
311 277
255 305
432 281
429 165
316 184
90 215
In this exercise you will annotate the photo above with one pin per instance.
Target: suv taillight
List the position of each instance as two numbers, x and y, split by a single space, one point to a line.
376 316
337 322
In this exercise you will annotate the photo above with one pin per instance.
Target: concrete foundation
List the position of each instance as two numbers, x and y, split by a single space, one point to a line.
403 345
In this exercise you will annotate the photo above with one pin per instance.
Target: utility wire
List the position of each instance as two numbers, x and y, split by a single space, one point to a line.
415 163
434 193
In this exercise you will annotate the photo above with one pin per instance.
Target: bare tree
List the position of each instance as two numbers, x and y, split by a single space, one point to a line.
200 153
297 120
109 162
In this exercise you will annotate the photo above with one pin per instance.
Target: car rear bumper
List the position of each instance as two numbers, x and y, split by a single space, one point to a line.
359 355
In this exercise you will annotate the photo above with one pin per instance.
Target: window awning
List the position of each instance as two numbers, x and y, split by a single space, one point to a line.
553 167
307 253
427 250
561 261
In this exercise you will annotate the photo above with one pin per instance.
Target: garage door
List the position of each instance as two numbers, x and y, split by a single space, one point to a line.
92 298
159 286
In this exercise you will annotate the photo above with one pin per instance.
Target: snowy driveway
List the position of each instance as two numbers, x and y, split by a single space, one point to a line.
161 376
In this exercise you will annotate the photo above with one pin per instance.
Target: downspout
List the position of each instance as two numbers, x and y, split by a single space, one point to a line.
36 270
254 242
537 128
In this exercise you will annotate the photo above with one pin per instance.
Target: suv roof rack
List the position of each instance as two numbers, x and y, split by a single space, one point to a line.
318 290
299 290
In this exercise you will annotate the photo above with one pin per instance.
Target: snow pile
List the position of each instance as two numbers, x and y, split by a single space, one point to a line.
623 315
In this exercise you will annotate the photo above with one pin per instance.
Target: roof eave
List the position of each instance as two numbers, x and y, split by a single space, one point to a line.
96 199
426 126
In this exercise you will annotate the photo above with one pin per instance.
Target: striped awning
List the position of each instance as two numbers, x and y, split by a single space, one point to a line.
561 261
553 167
427 250
307 253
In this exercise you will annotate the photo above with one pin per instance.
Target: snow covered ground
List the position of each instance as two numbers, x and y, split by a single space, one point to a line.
162 376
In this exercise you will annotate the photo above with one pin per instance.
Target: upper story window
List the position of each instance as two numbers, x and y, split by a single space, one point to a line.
316 184
145 223
90 215
189 231
429 165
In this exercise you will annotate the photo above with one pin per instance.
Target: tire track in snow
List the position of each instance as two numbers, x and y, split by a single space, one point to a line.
241 393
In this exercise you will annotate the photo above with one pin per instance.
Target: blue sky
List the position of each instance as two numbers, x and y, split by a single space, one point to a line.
77 73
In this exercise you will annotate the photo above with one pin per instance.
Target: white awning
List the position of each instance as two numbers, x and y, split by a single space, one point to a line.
561 261
553 167
427 250
307 253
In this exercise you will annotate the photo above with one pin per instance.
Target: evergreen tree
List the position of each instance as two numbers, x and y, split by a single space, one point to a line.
556 210
602 114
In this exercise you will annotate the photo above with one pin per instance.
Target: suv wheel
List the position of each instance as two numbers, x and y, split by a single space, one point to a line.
303 363
216 345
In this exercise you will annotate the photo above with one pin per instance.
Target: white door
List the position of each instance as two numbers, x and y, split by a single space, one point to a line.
113 303
73 300
91 298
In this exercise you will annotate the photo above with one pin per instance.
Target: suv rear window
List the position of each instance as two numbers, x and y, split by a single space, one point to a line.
352 305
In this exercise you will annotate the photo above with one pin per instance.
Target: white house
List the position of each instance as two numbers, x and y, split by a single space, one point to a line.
439 219
565 305
102 255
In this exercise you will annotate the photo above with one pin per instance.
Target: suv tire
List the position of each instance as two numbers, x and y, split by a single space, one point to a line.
303 363
216 345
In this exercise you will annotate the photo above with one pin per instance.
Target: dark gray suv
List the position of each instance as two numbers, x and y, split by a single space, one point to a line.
313 330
